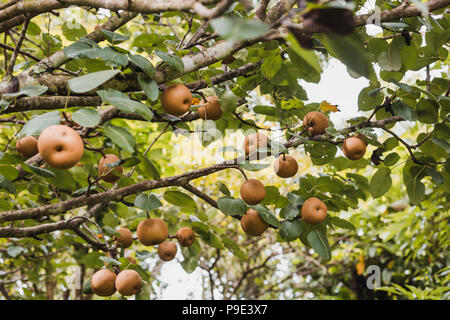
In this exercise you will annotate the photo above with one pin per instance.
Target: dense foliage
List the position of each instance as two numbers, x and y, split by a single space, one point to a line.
101 70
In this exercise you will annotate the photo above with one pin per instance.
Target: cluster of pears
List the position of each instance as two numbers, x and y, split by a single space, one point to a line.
353 147
177 99
60 146
150 232
252 191
154 231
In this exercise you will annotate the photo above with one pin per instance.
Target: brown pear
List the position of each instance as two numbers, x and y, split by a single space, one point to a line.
103 283
212 110
316 121
253 191
285 166
60 146
27 146
176 99
128 282
185 236
354 148
255 141
152 231
124 238
252 224
109 171
167 250
314 211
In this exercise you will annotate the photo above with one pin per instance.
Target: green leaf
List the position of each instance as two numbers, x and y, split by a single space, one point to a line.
114 38
190 255
125 104
271 66
86 117
110 261
233 247
37 124
87 289
231 206
267 216
73 30
238 29
427 111
307 55
272 195
403 110
290 230
223 188
143 63
368 100
129 162
391 159
33 91
172 60
149 86
342 223
319 243
148 168
350 51
412 174
390 60
91 81
180 199
228 101
380 182
147 202
40 171
253 166
14 251
120 136
92 260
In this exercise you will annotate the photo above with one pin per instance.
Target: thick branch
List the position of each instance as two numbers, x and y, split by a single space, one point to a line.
401 11
178 180
34 8
125 84
110 195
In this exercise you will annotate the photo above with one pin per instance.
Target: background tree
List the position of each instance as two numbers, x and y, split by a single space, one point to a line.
99 70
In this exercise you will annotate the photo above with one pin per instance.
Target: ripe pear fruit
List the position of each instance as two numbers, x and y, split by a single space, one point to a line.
314 211
185 236
317 122
176 99
60 146
124 238
285 166
354 148
255 141
152 231
253 191
103 283
252 224
110 176
167 250
27 146
212 110
128 282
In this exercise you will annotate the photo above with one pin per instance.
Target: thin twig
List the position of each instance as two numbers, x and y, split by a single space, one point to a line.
12 62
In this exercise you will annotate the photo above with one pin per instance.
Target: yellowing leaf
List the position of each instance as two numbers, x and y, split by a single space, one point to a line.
195 101
360 266
325 106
